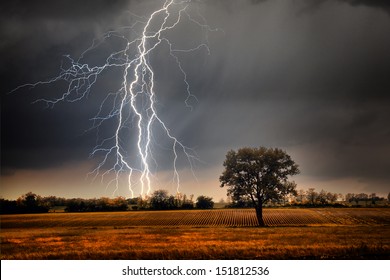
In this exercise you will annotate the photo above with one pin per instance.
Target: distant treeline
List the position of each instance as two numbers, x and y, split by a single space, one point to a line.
312 198
159 200
32 203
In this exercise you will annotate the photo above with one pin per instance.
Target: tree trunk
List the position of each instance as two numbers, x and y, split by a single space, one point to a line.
259 215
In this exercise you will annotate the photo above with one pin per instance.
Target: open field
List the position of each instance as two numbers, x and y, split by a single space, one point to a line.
199 234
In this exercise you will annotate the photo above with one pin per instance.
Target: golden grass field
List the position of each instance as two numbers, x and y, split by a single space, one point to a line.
323 233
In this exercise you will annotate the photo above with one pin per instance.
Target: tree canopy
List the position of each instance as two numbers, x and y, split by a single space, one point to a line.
204 202
259 175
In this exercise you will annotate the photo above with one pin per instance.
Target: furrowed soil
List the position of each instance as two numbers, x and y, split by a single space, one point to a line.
323 233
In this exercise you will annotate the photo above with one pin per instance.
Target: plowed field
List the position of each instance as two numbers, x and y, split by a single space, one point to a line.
199 234
212 218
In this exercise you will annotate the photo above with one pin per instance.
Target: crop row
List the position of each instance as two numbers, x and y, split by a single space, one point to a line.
216 217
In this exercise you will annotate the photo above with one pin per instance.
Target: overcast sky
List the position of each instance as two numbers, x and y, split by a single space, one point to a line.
310 77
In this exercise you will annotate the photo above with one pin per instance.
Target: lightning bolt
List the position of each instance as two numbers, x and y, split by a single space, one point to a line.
133 106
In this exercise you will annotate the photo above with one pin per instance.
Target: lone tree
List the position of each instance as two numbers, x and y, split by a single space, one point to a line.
258 174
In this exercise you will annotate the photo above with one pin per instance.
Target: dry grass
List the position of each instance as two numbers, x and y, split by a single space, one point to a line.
105 236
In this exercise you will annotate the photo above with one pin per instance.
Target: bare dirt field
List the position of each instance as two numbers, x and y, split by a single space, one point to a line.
322 233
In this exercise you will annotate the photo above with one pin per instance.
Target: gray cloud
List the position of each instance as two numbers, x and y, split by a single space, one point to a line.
313 81
383 4
71 9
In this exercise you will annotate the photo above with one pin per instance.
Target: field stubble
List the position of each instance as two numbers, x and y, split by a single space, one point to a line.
210 234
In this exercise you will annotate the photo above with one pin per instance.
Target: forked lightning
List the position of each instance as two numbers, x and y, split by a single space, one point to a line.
133 106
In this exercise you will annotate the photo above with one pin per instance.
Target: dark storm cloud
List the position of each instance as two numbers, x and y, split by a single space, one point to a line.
314 82
35 36
61 9
292 79
307 5
383 4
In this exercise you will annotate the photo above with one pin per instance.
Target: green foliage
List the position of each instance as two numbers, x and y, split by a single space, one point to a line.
96 204
161 200
30 203
204 202
258 175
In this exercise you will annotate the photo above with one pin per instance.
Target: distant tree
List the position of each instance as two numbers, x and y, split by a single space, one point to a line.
143 202
159 200
133 200
134 203
331 197
51 201
187 203
322 197
28 203
259 174
373 198
204 202
362 196
172 203
238 201
102 204
119 204
179 199
30 200
311 195
8 206
300 196
351 197
75 205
